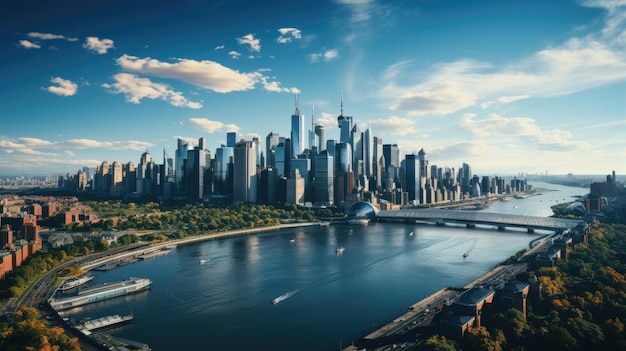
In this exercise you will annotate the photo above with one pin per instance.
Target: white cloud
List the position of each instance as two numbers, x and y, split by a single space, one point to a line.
219 47
100 46
326 55
234 54
274 86
288 34
327 120
49 36
524 128
29 45
208 126
248 39
136 88
394 125
206 74
36 146
64 87
576 65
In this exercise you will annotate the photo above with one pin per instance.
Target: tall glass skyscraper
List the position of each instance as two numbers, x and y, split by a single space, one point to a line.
323 178
297 132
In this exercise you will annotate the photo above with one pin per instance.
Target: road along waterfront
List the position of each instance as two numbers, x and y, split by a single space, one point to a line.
225 302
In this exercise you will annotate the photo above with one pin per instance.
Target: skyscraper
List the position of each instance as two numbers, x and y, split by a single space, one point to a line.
368 153
297 132
345 125
424 170
271 141
244 169
320 140
412 177
323 178
231 139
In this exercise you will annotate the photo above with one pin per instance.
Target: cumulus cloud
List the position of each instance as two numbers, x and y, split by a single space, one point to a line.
42 147
327 120
29 45
394 125
208 126
326 56
50 36
254 44
219 47
234 54
576 65
205 74
100 46
135 89
64 87
288 34
524 128
274 86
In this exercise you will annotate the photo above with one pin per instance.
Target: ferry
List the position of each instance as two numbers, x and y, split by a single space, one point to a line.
101 292
74 282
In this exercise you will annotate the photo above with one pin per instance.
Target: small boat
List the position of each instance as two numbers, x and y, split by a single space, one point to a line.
292 240
340 250
411 234
74 282
469 250
202 261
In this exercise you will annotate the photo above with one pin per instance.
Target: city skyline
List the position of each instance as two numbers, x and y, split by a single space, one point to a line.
508 88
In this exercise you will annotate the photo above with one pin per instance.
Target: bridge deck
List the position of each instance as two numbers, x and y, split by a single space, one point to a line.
478 217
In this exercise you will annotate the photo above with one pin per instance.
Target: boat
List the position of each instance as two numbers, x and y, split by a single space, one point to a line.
411 234
102 323
74 282
101 292
150 254
202 261
470 249
340 250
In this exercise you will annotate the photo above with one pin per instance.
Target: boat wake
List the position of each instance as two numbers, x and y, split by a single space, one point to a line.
284 296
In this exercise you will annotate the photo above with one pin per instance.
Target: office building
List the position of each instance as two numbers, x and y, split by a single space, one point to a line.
244 172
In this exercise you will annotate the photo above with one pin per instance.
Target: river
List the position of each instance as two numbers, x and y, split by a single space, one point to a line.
217 295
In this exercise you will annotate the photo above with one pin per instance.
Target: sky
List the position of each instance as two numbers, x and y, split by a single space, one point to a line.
528 86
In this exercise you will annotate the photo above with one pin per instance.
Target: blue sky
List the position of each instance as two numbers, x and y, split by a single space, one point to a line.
506 86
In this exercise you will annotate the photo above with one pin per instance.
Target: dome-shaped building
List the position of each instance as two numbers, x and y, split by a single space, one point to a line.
362 209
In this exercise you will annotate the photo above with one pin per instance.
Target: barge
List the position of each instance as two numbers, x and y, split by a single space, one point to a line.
101 292
102 323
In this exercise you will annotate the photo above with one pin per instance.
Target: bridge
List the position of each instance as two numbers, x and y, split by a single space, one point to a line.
473 218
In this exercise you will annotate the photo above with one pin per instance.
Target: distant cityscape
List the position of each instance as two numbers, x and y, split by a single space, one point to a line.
357 167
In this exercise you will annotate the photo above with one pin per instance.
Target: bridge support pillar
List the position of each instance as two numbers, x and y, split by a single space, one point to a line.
501 228
531 230
470 225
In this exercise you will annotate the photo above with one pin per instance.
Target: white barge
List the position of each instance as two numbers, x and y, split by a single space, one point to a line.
102 323
101 292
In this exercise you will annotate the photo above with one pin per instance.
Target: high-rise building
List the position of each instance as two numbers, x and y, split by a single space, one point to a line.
198 162
320 140
323 178
368 153
244 172
392 155
295 188
303 165
345 125
378 162
423 158
222 170
231 139
297 132
181 160
412 177
271 141
117 179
